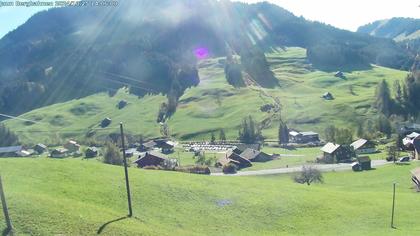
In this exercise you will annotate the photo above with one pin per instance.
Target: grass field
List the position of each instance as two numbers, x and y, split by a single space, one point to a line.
85 197
215 105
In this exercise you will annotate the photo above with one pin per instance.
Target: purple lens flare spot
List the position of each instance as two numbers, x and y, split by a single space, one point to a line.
201 53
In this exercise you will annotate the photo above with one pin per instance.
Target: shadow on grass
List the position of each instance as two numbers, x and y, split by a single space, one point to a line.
7 232
110 222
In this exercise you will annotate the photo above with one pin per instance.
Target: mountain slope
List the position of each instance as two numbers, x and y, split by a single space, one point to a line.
215 105
153 47
397 28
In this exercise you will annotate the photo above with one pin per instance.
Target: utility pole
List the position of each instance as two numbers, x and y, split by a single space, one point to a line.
393 206
127 184
5 210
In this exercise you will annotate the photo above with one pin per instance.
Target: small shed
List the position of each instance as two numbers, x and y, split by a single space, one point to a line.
131 152
121 104
106 122
167 147
151 159
72 146
40 148
328 96
91 152
365 162
355 166
339 74
59 153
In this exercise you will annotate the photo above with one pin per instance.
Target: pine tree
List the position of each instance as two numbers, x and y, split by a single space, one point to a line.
222 136
398 91
7 137
280 133
360 132
283 133
383 125
383 100
249 132
213 138
330 134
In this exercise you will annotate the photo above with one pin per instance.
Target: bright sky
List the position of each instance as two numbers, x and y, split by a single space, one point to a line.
12 17
349 14
345 14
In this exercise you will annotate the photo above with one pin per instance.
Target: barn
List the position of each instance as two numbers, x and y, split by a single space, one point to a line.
255 156
151 159
363 146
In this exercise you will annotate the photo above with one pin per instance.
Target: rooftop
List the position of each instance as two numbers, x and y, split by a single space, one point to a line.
358 143
10 149
330 148
308 133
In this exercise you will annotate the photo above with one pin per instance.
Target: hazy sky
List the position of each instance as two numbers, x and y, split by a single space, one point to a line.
346 14
349 14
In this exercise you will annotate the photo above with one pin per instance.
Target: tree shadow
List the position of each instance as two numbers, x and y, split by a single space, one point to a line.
7 232
110 222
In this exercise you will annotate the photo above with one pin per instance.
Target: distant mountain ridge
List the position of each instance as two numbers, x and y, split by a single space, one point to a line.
397 28
152 46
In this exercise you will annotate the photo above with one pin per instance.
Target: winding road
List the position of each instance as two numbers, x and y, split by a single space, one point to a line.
321 167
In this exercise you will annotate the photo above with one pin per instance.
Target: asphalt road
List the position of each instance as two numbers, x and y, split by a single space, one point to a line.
321 167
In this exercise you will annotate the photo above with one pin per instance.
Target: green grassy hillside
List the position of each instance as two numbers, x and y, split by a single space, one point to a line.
80 197
214 104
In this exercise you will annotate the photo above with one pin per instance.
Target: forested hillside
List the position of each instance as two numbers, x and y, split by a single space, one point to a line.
153 47
405 31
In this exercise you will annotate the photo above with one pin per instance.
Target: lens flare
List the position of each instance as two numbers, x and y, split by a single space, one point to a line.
201 52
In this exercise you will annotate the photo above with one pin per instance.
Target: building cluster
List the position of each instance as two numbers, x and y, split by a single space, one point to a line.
243 157
303 137
337 153
411 143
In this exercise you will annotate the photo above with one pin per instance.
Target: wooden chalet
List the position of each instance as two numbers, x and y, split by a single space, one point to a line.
167 147
10 151
40 148
363 146
91 152
234 158
335 153
303 137
151 159
72 146
147 146
59 153
255 156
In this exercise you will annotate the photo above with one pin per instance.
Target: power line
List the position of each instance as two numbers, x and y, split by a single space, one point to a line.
18 118
125 77
66 131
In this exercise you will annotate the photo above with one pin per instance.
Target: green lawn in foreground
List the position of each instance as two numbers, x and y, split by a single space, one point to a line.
78 197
